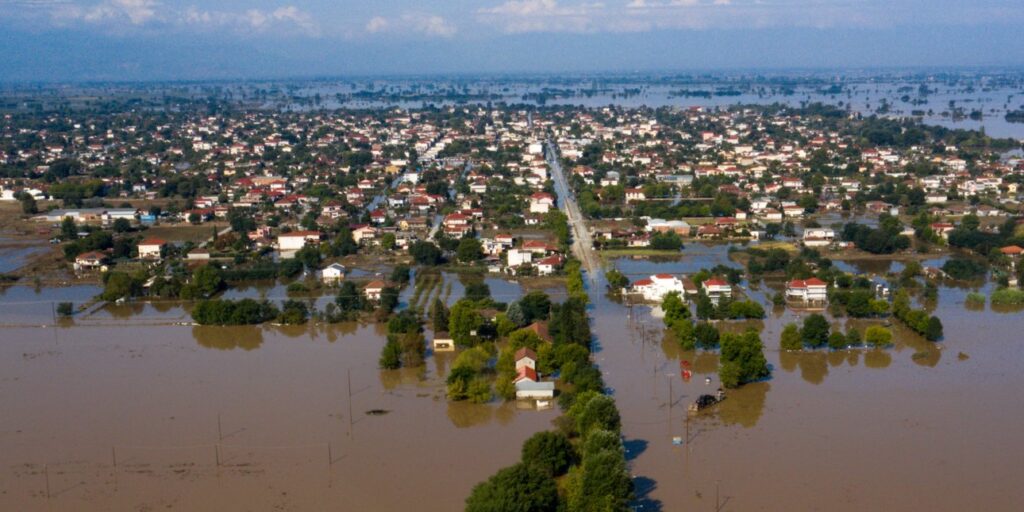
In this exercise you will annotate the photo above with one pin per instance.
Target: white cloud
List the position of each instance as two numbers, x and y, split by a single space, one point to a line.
377 24
517 16
282 19
430 25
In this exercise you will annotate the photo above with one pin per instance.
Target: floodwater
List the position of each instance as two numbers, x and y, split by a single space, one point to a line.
120 409
913 427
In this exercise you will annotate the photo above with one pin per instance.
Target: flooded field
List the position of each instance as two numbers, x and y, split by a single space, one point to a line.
120 410
920 426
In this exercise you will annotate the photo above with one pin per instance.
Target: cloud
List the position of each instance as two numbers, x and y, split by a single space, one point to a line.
283 19
430 25
517 16
377 24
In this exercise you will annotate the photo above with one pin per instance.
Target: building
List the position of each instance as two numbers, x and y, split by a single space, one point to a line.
90 260
549 265
716 288
818 237
443 342
332 273
532 390
807 290
656 287
151 249
541 202
198 254
296 240
526 358
373 290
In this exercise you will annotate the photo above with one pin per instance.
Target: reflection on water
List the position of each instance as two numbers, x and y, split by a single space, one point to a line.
877 358
744 406
245 337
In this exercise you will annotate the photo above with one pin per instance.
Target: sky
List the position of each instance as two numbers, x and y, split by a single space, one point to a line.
76 40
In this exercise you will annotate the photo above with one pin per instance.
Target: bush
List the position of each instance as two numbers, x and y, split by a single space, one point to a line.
229 312
964 269
1008 297
65 309
878 336
791 338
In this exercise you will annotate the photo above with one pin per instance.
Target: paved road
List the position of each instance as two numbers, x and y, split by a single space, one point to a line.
583 244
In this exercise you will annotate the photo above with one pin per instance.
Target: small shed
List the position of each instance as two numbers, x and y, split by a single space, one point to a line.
443 342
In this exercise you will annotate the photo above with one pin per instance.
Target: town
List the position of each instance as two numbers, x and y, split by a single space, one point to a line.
747 233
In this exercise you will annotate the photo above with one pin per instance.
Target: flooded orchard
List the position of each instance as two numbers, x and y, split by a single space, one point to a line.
919 426
122 410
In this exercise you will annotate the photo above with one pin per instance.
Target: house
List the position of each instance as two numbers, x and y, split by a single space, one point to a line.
526 358
198 254
518 257
90 260
443 342
332 273
151 248
296 240
807 290
656 287
541 202
1012 251
526 373
818 237
716 288
549 265
373 290
635 194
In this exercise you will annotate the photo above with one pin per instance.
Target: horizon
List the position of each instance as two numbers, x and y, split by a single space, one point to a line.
173 40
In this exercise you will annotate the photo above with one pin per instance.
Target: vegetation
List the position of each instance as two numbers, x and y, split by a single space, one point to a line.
231 312
405 344
878 336
964 269
1008 297
917 319
742 359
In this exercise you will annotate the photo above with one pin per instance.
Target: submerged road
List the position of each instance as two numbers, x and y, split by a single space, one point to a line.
582 243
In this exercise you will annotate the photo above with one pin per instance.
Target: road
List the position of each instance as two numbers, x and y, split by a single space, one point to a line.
582 243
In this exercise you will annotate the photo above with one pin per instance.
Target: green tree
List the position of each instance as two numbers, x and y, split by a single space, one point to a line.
742 359
550 451
68 229
815 330
469 250
791 338
439 315
836 341
464 322
522 487
425 253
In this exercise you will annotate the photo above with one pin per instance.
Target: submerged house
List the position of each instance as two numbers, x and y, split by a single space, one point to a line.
807 290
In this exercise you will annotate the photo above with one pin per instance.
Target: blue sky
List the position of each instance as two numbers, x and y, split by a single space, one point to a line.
186 39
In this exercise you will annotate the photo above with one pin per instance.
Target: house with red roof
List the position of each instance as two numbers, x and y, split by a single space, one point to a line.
807 290
151 248
716 288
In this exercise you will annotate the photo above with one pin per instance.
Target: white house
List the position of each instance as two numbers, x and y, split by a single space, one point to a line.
526 358
541 202
518 257
332 273
150 248
819 237
373 290
807 290
716 288
658 286
297 239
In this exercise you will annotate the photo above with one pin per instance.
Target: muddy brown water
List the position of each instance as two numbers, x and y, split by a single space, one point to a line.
914 427
231 418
